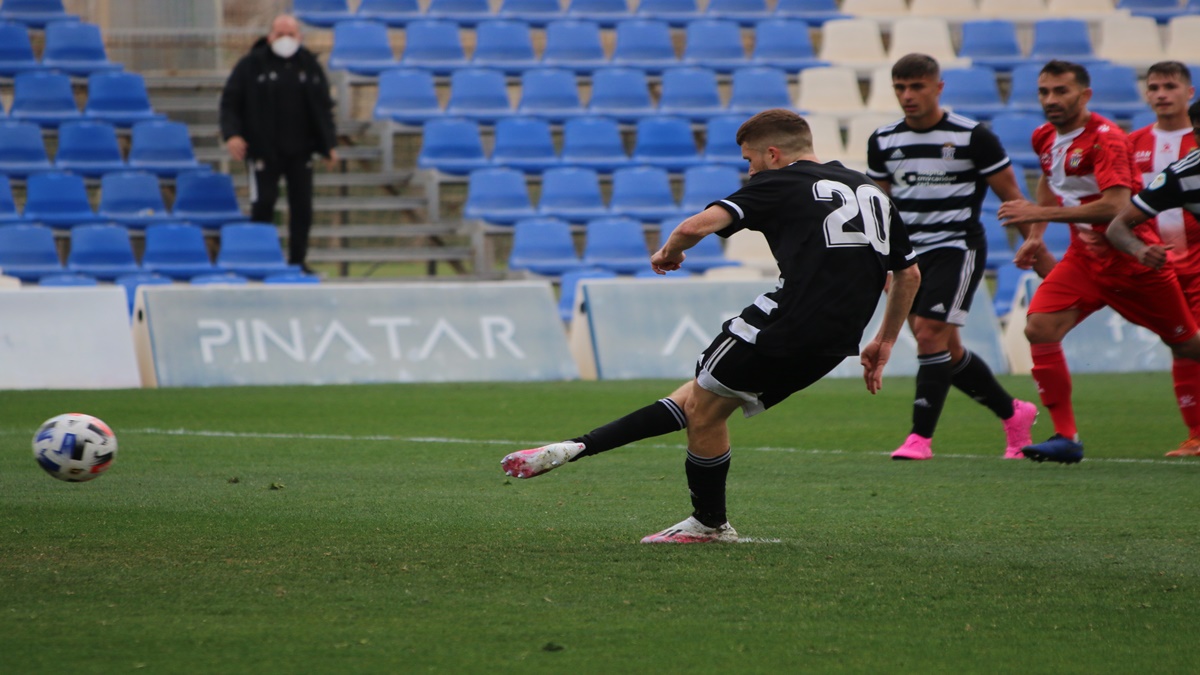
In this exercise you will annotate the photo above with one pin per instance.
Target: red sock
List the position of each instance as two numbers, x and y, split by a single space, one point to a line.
1054 386
1186 374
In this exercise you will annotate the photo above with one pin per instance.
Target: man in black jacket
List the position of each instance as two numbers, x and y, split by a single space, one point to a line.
276 112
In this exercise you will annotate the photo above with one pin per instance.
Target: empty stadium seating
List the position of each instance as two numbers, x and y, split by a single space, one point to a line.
132 199
28 252
177 251
77 48
88 147
571 193
252 250
22 151
616 244
543 246
102 251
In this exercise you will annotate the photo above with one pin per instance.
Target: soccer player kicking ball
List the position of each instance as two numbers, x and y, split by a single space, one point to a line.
1087 178
1178 186
835 236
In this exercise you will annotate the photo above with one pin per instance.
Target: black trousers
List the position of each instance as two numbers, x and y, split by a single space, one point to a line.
264 191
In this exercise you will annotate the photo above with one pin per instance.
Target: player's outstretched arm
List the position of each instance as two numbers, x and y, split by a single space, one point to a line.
1120 235
688 234
901 291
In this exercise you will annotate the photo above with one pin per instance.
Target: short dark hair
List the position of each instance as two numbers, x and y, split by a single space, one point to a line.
779 127
915 67
1170 69
1194 113
1058 67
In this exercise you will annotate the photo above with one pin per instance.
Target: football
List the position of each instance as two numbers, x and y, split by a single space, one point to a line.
74 447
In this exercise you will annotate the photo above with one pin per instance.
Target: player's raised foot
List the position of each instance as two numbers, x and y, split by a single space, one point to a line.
1188 448
537 461
1057 448
692 531
915 447
1018 429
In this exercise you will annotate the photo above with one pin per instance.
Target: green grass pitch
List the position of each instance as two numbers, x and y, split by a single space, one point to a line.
369 529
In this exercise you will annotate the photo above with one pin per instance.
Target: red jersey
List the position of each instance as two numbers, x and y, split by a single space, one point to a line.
1078 167
1153 150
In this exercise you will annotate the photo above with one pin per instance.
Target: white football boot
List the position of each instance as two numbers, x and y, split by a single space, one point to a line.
537 461
692 531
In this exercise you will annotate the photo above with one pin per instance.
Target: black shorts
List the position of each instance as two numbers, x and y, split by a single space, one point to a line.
949 277
733 368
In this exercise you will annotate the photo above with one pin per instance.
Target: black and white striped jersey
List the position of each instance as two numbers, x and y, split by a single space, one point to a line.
1177 186
938 177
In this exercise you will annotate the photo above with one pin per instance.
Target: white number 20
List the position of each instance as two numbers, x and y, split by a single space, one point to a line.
863 219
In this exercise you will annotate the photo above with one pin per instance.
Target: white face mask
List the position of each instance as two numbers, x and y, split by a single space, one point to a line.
285 46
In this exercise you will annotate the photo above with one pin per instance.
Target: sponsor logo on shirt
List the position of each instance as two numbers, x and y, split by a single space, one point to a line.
1159 181
948 151
1076 158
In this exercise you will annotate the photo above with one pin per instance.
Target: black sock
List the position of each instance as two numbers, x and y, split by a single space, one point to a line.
661 417
976 380
706 481
933 383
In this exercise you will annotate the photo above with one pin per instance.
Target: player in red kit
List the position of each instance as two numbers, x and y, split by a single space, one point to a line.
1087 178
1168 90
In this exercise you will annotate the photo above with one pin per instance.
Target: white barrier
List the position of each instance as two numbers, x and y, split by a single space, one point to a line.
66 338
326 334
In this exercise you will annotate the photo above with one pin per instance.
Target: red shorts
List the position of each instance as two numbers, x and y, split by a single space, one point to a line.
1190 283
1151 299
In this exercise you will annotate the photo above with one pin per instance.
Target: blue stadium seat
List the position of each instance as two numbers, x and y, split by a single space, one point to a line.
551 93
645 44
543 246
616 244
690 92
571 193
570 288
972 92
22 150
59 280
574 44
705 184
206 198
1022 93
992 43
716 44
504 44
451 145
759 88
395 13
666 142
131 282
644 193
132 199
361 47
34 13
16 51
220 279
1057 238
720 144
43 98
76 47
57 199
252 250
784 43
322 13
291 278
604 12
177 251
1161 11
1066 39
745 12
433 45
462 12
675 12
407 96
704 256
88 147
480 94
1115 91
999 251
594 142
537 13
28 252
1015 131
162 146
813 12
524 143
1008 279
1143 119
102 251
8 206
119 98
621 93
497 195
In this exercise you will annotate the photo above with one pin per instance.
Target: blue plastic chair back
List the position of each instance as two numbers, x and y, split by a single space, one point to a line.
690 92
162 146
88 147
707 183
991 43
645 44
616 244
34 13
206 198
102 251
644 193
759 88
252 250
622 93
1066 39
479 93
813 12
705 255
745 12
22 150
176 250
594 142
720 140
120 98
543 246
972 92
497 195
361 47
132 198
551 93
451 145
1022 94
75 47
28 252
572 193
603 12
504 44
322 13
667 142
534 12
434 45
391 12
408 96
784 43
1015 131
574 44
57 199
16 51
674 12
463 12
524 143
43 98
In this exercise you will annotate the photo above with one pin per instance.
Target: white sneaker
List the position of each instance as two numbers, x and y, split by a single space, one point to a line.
537 461
692 531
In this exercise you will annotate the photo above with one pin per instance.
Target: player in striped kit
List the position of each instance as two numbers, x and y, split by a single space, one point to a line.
1176 188
1087 178
1155 146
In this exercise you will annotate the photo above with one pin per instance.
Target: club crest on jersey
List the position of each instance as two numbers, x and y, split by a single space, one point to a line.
1075 159
948 151
1159 181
